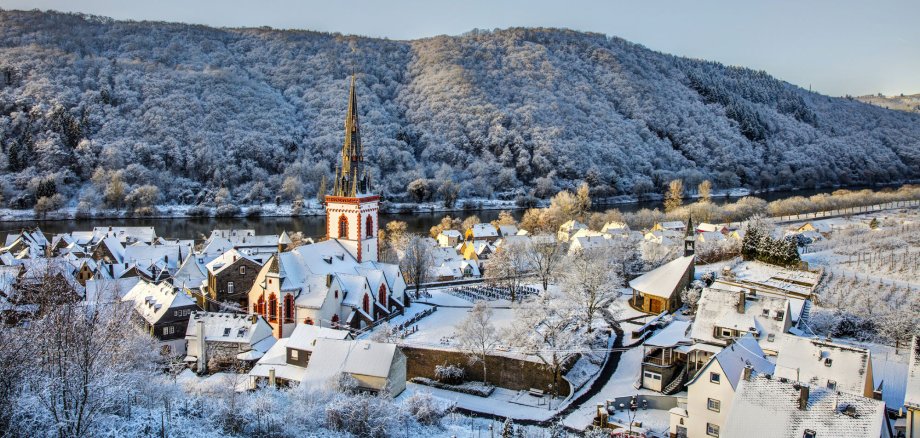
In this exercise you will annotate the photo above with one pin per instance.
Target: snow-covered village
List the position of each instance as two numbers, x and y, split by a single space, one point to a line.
439 236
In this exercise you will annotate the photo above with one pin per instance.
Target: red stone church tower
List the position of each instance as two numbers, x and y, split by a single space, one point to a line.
351 210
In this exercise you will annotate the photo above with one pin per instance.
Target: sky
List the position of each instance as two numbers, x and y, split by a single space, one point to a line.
836 47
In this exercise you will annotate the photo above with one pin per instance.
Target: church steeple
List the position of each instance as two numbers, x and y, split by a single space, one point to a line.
690 238
351 178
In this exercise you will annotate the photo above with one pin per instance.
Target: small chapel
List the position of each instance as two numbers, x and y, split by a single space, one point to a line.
336 282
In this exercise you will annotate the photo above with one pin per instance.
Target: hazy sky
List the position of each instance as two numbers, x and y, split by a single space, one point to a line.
837 47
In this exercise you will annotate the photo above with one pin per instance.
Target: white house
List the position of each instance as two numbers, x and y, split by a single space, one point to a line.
507 230
482 231
568 229
711 391
449 238
822 363
766 406
373 366
726 312
216 339
286 361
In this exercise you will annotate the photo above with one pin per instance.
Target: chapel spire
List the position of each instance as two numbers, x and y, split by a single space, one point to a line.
351 177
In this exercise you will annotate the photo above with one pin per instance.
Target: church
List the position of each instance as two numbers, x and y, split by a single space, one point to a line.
338 281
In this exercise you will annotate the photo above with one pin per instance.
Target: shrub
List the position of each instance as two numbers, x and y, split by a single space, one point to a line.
449 374
228 210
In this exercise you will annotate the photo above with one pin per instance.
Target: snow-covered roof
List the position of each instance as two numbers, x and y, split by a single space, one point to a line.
276 359
710 236
572 225
704 227
745 352
484 230
614 226
589 242
770 407
146 255
226 259
672 225
304 336
115 248
816 361
123 234
450 233
230 327
507 230
912 394
663 280
718 306
106 289
673 334
152 301
366 358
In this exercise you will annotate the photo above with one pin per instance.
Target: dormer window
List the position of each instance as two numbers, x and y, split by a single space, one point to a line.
242 270
780 314
832 385
766 312
227 331
828 362
809 434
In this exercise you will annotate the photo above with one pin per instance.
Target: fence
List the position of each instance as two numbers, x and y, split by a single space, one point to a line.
492 293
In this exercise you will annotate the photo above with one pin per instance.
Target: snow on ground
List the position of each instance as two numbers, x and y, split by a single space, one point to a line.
438 330
655 420
501 402
622 383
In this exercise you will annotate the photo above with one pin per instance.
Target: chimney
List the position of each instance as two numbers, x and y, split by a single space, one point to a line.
803 397
741 299
202 348
747 373
328 280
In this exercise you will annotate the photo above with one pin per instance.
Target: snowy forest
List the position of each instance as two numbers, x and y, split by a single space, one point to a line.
126 114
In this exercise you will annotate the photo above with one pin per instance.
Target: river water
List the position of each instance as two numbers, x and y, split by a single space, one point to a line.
312 226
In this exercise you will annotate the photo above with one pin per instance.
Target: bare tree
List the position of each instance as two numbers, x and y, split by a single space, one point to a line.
547 329
508 266
477 335
545 255
416 261
591 280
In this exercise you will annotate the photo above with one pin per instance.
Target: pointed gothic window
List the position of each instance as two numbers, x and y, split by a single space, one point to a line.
272 307
382 295
288 308
260 306
335 320
343 227
367 304
370 227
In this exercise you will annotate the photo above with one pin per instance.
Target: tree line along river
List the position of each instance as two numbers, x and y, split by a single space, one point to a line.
310 226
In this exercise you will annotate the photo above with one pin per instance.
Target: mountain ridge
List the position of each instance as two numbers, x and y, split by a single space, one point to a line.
190 109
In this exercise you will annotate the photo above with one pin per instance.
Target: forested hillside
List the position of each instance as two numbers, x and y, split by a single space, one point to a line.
123 113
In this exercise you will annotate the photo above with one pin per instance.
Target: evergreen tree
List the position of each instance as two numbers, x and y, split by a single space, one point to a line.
508 428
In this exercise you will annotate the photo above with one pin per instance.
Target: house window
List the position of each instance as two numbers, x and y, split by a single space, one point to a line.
712 429
229 287
369 225
242 270
294 354
809 434
382 295
715 377
260 306
335 320
343 227
227 331
366 304
652 376
832 385
766 312
726 333
168 330
713 405
771 337
780 314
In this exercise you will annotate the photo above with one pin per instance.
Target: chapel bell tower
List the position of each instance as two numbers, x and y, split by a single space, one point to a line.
351 210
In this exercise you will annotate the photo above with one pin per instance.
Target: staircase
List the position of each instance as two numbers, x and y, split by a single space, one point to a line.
677 384
806 313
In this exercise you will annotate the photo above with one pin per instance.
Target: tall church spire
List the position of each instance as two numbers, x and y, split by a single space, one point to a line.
351 178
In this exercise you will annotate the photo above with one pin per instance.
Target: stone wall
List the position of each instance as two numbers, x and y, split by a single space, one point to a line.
502 371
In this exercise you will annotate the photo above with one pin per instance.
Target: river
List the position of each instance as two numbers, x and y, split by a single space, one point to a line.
312 226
